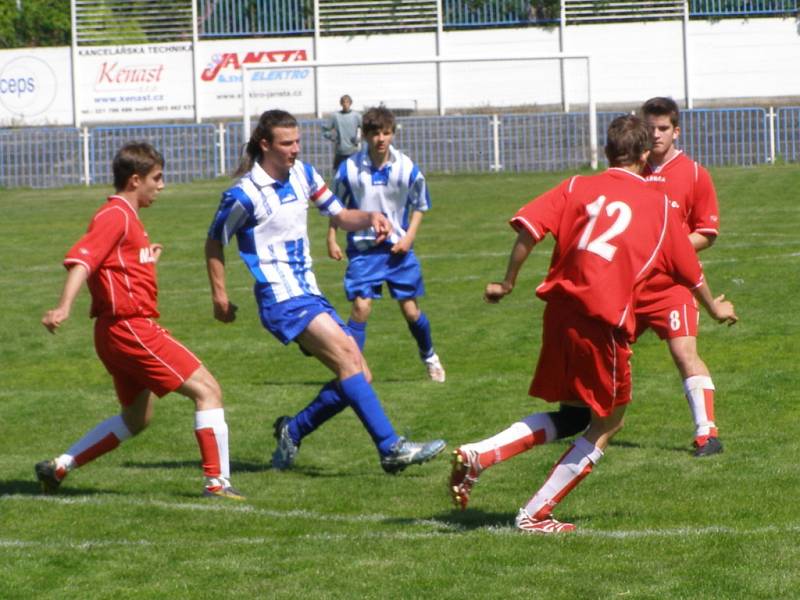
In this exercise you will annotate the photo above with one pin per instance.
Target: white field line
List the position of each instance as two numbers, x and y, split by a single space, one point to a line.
436 528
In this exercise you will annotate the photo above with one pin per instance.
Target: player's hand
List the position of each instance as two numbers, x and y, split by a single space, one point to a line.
380 224
155 251
496 291
724 311
401 247
334 251
225 311
52 319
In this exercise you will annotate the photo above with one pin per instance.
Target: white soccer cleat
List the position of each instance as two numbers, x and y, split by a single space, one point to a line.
528 524
463 476
435 369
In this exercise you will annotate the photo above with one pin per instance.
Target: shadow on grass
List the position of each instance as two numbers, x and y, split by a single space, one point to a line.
637 446
32 488
457 520
236 466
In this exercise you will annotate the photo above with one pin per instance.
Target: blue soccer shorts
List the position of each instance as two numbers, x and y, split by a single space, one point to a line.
368 270
288 319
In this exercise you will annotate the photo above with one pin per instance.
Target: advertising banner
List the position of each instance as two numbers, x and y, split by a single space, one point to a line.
149 82
289 88
35 87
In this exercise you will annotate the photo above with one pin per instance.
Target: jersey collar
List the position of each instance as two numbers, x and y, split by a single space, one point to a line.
626 172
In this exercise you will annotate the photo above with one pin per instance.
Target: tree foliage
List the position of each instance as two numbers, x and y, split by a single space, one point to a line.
26 23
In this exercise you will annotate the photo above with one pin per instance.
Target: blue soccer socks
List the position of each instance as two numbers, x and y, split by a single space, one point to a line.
421 330
359 332
328 403
365 403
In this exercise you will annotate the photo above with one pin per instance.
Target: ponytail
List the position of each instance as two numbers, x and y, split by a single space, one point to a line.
251 152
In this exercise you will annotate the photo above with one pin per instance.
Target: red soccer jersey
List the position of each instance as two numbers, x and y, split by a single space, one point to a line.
116 252
611 230
691 192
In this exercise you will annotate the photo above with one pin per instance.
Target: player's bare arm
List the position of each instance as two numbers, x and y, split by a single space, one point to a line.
701 241
334 251
155 251
405 243
76 277
721 310
224 309
496 291
351 219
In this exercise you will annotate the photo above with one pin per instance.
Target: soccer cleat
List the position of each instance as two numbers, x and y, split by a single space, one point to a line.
286 451
435 369
710 447
405 453
463 476
528 524
219 487
50 475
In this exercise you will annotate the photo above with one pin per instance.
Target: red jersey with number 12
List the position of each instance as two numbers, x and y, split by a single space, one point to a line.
116 252
611 230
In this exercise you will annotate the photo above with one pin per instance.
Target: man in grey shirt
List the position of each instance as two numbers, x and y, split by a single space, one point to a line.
344 130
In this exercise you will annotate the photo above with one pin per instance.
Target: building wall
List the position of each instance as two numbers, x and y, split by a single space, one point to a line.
728 60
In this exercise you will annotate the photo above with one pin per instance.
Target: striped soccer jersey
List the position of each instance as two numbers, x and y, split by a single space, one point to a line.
269 219
396 190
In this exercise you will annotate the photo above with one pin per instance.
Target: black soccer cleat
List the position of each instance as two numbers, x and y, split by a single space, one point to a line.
711 447
49 476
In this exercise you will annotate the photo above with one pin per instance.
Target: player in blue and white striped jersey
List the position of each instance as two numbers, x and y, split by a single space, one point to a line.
381 178
266 210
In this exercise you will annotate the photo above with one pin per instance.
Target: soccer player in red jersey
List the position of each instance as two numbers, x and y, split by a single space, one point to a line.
611 230
117 261
662 305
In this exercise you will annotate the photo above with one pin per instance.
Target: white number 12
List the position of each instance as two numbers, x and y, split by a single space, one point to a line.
600 245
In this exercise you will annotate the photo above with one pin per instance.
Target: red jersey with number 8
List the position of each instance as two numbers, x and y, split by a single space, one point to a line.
611 230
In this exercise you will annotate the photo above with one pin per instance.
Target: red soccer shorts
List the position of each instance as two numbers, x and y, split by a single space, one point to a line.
674 314
140 355
582 359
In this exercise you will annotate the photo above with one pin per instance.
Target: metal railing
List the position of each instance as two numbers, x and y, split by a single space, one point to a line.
234 18
742 8
237 18
56 157
787 134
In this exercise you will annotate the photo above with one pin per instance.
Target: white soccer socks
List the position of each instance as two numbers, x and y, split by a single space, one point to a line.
699 391
567 473
523 435
102 439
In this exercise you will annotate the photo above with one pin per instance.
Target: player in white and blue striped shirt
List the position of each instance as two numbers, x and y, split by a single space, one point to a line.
383 179
266 210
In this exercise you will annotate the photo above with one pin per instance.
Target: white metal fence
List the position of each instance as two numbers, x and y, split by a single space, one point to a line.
56 157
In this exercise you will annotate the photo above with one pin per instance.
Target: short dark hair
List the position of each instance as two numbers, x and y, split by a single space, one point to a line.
660 107
628 138
134 158
376 119
267 122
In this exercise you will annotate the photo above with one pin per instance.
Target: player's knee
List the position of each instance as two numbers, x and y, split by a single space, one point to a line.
362 308
136 423
410 311
571 420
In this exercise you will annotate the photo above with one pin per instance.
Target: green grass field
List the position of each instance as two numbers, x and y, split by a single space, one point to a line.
653 521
